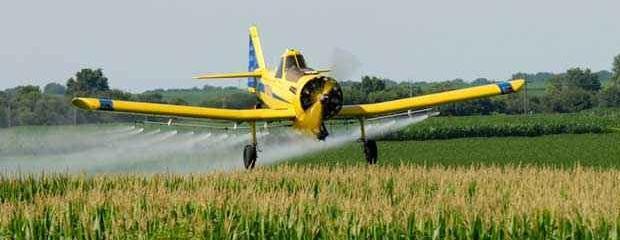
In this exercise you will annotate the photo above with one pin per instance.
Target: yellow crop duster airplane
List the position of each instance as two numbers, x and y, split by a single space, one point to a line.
295 92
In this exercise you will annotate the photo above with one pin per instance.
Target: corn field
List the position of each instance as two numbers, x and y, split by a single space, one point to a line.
288 202
562 151
509 125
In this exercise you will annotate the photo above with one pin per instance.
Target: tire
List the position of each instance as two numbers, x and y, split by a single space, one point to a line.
371 152
249 156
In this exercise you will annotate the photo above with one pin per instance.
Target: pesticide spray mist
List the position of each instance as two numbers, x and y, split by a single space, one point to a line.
95 149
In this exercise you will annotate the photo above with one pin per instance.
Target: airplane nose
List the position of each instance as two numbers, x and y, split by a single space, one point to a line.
324 98
332 100
323 90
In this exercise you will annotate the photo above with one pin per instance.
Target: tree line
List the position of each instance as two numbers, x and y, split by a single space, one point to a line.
575 90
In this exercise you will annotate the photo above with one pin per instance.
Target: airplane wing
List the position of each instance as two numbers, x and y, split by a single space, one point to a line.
425 101
103 104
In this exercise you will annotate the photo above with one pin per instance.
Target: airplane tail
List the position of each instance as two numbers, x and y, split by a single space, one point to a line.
256 59
256 65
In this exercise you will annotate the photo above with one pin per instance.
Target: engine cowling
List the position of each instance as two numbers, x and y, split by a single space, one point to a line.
323 89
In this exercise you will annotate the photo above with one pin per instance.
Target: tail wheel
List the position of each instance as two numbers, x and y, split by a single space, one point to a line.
249 156
371 152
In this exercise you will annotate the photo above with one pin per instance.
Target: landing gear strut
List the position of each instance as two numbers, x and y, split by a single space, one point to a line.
369 145
249 151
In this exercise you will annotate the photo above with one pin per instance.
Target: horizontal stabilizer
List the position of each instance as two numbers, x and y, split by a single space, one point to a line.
228 75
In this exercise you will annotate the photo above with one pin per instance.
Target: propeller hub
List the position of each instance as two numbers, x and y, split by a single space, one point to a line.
325 91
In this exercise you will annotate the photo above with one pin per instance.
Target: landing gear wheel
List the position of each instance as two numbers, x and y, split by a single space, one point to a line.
249 156
370 151
322 133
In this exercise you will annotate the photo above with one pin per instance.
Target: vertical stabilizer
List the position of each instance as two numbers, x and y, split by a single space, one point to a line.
256 60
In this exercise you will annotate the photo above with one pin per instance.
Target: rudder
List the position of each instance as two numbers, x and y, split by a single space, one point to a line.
256 60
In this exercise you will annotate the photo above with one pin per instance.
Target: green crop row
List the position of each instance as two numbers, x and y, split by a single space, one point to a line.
508 125
239 223
496 130
565 150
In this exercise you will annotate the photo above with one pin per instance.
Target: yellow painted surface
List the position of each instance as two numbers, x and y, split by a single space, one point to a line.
425 101
290 52
188 111
228 75
260 58
310 121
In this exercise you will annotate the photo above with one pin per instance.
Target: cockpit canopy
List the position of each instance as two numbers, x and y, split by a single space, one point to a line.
292 65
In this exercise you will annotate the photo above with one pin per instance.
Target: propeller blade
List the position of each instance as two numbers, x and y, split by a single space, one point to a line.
343 64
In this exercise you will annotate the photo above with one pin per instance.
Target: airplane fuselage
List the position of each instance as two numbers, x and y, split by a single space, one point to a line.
315 97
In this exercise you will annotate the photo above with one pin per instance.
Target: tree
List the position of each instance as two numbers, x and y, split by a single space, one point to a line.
53 110
540 77
603 75
447 85
26 99
178 101
513 103
570 100
239 100
372 84
610 96
352 92
87 82
54 89
615 77
572 91
480 81
3 107
154 97
382 96
574 78
116 94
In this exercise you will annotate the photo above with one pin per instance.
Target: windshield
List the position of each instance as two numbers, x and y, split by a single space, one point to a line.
295 66
301 62
291 62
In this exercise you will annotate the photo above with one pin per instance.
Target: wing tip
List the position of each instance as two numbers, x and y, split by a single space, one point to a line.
85 103
517 84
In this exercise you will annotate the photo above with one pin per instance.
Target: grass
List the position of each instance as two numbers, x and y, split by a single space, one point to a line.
565 150
318 202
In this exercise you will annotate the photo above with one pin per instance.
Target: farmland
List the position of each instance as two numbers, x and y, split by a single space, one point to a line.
566 150
299 202
509 125
450 186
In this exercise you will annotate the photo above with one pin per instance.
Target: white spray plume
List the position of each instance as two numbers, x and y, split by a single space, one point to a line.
130 149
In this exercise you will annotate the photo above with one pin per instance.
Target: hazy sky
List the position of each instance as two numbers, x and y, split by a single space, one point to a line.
161 44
